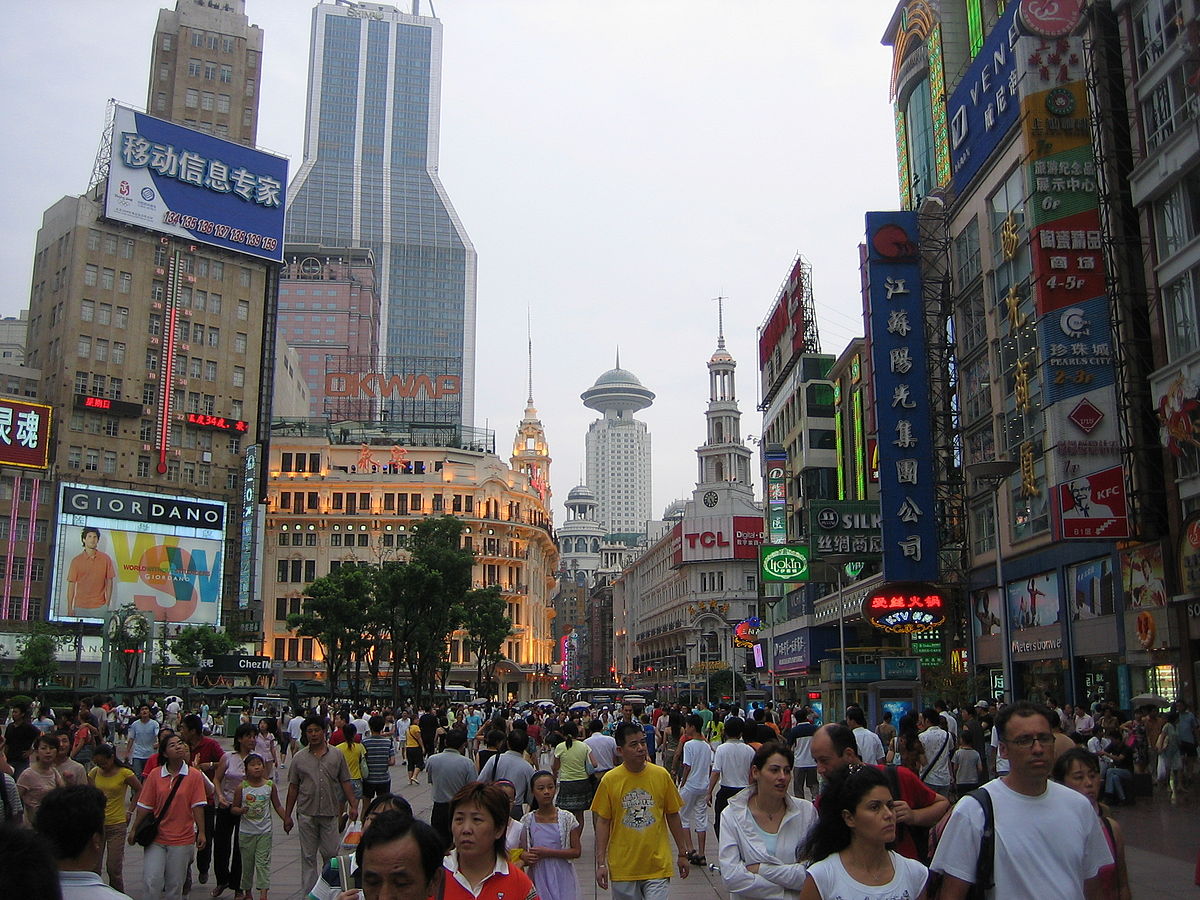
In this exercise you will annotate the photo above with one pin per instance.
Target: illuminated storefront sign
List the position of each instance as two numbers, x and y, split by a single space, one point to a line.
121 408
845 526
776 465
24 434
783 563
218 422
901 392
905 607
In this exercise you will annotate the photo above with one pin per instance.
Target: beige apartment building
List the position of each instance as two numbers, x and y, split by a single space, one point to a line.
350 495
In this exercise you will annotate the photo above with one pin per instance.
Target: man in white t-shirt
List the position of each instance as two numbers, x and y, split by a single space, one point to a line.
697 767
939 747
870 747
1046 834
604 748
730 769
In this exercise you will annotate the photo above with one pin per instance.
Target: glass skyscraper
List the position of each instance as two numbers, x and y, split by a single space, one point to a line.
369 179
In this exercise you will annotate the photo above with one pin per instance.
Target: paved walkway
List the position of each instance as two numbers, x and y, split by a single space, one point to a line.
1162 837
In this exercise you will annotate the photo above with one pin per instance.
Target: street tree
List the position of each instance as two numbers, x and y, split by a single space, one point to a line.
37 655
199 642
484 618
423 600
334 615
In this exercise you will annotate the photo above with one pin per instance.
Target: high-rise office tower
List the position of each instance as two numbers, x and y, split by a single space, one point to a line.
205 68
618 451
369 179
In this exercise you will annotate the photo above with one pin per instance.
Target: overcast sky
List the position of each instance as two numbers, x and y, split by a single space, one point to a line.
616 164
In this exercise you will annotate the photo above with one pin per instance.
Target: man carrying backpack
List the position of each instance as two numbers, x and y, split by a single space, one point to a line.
1041 833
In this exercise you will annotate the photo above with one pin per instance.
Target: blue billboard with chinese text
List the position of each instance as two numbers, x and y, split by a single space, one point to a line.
195 186
984 107
903 415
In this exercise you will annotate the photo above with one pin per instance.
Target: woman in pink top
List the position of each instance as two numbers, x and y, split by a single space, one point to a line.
181 825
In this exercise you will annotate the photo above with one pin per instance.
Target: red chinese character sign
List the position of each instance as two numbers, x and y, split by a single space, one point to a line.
905 607
24 433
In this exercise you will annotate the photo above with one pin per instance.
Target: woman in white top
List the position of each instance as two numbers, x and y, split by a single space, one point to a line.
847 852
763 830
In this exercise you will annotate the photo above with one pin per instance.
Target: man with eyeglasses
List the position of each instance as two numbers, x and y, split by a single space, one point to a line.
1046 834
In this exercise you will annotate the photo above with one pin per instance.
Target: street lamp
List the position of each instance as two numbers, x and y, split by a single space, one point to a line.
838 561
994 474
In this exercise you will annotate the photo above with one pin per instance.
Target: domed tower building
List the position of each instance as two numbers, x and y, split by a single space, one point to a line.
618 451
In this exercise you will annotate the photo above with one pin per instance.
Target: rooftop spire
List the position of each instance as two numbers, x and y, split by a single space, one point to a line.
618 356
529 338
720 322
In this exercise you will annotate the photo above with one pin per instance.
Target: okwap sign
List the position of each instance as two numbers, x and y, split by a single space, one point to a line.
902 403
721 537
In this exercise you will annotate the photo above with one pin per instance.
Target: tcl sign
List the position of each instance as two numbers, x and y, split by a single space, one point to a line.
722 537
706 539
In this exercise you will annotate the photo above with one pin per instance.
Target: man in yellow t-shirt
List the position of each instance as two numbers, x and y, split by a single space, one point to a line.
635 804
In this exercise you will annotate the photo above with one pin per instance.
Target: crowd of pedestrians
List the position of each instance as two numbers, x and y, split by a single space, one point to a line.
990 800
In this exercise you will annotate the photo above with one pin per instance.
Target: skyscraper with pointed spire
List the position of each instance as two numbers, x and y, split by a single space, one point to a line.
617 449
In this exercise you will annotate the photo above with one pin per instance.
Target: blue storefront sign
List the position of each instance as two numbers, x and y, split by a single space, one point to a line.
984 106
195 186
902 401
1076 347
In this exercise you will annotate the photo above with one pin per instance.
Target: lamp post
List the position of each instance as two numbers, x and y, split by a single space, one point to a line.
994 474
838 561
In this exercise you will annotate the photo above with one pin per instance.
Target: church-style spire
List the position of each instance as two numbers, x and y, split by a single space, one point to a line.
531 452
724 457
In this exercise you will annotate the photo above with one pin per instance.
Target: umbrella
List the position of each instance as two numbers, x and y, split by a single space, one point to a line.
1148 700
580 704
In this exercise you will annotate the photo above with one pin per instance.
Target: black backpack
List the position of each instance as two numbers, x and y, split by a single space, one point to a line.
985 864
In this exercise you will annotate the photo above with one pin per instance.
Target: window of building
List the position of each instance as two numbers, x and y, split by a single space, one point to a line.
107 279
239 343
1156 25
1177 216
87 310
84 347
918 121
110 462
239 376
1183 321
210 370
194 68
1168 106
91 460
91 274
223 103
125 283
191 99
226 74
206 101
210 71
249 87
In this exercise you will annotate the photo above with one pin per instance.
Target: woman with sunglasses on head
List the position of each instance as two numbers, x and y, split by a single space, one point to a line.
848 851
763 829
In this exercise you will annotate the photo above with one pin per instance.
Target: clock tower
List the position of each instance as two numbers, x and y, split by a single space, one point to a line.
531 452
724 460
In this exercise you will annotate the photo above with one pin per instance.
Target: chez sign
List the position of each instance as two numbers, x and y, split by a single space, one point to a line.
905 607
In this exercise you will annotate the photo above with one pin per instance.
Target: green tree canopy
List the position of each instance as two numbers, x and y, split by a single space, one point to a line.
37 660
484 616
197 642
335 615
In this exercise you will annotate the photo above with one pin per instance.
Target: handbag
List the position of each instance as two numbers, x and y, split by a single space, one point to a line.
147 831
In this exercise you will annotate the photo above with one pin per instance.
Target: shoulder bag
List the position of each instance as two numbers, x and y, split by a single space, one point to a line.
147 831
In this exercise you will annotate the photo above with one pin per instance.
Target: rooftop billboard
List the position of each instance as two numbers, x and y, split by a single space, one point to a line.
195 186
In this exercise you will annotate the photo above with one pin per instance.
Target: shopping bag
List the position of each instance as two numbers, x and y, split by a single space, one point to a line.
352 835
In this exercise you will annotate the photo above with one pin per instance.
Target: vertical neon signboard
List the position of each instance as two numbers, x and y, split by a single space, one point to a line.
901 382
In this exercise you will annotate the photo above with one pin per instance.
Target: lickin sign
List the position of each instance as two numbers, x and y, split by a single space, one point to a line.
905 607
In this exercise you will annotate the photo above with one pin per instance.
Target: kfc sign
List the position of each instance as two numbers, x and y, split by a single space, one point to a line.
722 537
